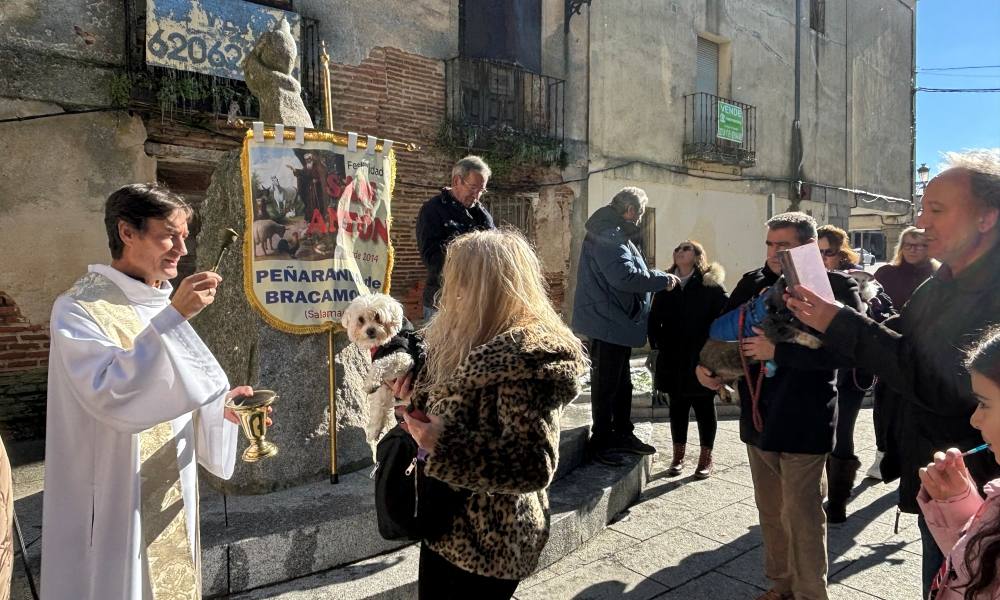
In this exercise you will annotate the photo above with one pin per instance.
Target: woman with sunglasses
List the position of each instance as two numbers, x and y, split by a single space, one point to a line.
678 327
909 268
842 466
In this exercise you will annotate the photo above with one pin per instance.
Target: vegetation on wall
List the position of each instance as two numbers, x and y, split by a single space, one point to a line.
173 91
503 148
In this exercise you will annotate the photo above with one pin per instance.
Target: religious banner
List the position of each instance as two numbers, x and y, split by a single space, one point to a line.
318 216
208 36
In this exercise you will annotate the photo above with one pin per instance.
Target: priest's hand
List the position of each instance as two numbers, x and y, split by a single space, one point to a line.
243 391
195 293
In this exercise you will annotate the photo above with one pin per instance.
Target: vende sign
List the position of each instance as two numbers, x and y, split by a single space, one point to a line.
208 36
730 122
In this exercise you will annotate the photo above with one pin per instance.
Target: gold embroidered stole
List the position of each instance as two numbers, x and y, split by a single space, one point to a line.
172 570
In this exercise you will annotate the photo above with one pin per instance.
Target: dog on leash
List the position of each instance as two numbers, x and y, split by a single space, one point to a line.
769 313
375 323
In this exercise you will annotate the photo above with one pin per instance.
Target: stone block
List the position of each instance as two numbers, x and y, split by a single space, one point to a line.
295 366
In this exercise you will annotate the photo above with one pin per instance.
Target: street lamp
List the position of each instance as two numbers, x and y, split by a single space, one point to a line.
924 174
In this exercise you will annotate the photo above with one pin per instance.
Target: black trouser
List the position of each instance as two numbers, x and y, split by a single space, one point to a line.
438 579
849 399
704 413
878 416
610 391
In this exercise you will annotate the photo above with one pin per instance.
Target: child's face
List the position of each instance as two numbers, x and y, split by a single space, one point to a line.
987 416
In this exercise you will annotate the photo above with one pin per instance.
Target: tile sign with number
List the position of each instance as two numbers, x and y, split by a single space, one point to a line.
208 36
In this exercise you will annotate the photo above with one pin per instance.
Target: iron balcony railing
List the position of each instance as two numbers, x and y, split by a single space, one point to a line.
188 92
493 96
719 130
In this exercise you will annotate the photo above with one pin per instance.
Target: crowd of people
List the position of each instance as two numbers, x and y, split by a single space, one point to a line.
799 405
137 401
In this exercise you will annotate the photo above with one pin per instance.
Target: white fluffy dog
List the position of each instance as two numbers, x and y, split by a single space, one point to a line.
376 323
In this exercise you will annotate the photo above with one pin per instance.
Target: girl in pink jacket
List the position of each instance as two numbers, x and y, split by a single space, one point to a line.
966 527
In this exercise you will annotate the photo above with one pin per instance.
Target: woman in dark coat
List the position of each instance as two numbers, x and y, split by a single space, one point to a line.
842 465
678 327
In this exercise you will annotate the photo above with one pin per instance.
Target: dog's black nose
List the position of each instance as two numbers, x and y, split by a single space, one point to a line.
372 332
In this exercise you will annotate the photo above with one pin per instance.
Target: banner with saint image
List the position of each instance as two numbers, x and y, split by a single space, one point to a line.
318 218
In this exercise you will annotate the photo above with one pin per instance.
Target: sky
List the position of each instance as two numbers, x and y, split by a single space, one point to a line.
957 33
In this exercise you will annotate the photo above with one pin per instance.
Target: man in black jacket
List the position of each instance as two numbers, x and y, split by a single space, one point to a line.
456 210
919 355
789 441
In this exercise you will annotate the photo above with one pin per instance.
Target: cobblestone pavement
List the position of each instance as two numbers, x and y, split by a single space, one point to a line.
695 540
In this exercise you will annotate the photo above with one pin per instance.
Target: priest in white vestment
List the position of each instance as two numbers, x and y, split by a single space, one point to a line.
135 403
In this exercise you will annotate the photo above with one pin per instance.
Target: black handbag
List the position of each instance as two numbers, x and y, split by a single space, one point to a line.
409 504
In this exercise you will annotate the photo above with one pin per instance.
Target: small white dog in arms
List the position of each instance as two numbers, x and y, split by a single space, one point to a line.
375 323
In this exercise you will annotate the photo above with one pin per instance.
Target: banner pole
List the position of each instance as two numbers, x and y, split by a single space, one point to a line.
334 477
327 99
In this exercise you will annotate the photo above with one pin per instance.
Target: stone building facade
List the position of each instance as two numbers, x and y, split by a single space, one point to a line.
620 70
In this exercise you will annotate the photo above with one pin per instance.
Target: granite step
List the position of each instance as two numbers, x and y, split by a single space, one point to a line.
254 541
583 502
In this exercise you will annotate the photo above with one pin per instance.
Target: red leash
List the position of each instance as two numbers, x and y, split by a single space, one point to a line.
758 421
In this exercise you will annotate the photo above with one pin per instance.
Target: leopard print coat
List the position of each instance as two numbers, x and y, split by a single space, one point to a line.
500 441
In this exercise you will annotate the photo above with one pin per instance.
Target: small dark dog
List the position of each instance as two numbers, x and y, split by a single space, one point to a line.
779 325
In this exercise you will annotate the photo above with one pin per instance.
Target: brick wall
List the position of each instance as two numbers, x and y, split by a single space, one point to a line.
400 96
24 359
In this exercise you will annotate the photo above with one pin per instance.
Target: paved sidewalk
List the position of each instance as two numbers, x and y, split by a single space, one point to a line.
696 540
692 540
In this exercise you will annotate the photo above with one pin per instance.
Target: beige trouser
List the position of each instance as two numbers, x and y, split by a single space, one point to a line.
789 490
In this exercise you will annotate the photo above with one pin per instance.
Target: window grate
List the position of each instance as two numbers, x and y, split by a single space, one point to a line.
513 211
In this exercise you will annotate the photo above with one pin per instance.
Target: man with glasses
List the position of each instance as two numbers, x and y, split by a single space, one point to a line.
920 354
456 210
613 294
787 421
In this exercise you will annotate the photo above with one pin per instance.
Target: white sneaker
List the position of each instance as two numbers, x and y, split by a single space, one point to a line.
873 471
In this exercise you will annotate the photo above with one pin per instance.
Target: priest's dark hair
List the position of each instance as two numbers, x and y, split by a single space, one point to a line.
135 204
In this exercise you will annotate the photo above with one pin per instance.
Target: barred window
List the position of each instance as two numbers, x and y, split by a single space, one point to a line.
514 210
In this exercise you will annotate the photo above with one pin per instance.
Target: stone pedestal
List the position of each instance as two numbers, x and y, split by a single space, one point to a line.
294 366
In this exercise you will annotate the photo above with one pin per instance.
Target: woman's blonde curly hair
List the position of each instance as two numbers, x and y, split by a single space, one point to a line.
491 283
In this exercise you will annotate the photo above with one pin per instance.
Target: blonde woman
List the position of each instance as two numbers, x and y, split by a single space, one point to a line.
500 366
909 268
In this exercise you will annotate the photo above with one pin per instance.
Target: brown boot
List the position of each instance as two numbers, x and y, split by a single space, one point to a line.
704 469
677 463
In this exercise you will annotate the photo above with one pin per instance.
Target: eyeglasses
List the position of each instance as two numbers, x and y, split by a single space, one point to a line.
910 246
829 252
683 248
474 190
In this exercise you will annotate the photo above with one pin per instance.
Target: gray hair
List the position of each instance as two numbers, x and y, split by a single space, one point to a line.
805 226
471 164
629 196
983 167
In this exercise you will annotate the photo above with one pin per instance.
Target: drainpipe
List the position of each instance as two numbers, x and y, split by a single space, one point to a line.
797 153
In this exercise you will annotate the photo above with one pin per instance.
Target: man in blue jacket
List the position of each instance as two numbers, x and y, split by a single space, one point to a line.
613 291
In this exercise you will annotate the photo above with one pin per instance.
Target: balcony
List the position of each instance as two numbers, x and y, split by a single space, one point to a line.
719 130
169 90
487 99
